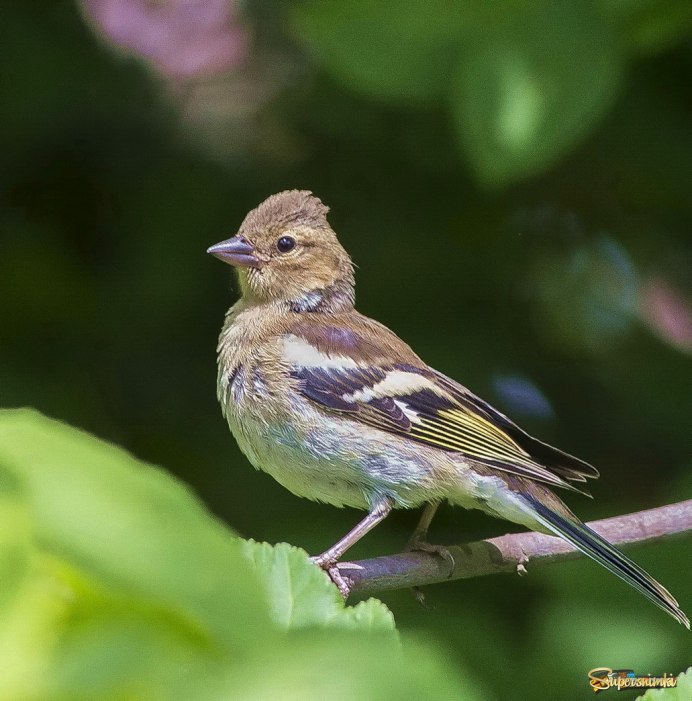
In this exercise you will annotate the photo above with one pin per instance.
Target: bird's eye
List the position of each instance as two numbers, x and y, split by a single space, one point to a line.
285 244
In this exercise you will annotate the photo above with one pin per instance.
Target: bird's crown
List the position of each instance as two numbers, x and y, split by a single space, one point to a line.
286 209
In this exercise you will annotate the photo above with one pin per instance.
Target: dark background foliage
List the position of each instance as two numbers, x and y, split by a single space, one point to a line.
513 181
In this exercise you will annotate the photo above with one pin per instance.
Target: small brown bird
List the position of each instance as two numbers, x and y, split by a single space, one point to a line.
337 408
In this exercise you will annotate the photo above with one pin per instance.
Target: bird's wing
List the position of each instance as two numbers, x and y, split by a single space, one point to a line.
394 391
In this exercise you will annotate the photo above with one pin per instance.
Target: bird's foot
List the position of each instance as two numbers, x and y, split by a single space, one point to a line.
439 550
331 567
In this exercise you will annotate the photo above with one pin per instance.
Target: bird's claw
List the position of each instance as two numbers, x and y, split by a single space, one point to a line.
331 567
439 550
521 565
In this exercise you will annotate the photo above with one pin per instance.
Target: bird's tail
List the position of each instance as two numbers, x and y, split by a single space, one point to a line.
599 549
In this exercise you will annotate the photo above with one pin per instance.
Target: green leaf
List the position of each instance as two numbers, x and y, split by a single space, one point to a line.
116 582
649 26
359 44
345 667
15 536
370 615
129 525
529 90
300 594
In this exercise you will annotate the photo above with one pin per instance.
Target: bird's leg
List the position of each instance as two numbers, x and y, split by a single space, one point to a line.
420 535
379 512
418 540
328 559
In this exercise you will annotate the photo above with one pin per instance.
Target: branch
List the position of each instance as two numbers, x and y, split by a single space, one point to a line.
510 553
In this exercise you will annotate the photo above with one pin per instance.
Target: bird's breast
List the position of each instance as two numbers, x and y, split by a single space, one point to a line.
318 455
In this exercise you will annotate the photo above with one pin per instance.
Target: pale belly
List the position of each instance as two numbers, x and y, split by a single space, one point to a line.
336 466
321 468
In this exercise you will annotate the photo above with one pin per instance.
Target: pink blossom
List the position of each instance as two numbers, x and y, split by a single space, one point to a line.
181 38
667 313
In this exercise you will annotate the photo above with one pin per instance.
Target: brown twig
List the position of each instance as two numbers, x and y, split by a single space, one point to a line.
510 553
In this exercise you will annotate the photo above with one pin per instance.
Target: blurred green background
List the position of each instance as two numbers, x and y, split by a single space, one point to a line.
514 182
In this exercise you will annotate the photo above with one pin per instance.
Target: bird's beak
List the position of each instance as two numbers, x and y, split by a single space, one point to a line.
236 251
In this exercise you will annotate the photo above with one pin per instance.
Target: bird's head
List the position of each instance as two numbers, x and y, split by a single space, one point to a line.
285 250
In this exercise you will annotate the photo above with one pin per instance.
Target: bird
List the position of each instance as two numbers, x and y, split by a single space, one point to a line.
338 409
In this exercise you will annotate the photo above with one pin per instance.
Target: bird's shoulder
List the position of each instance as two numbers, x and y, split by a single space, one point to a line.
349 336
